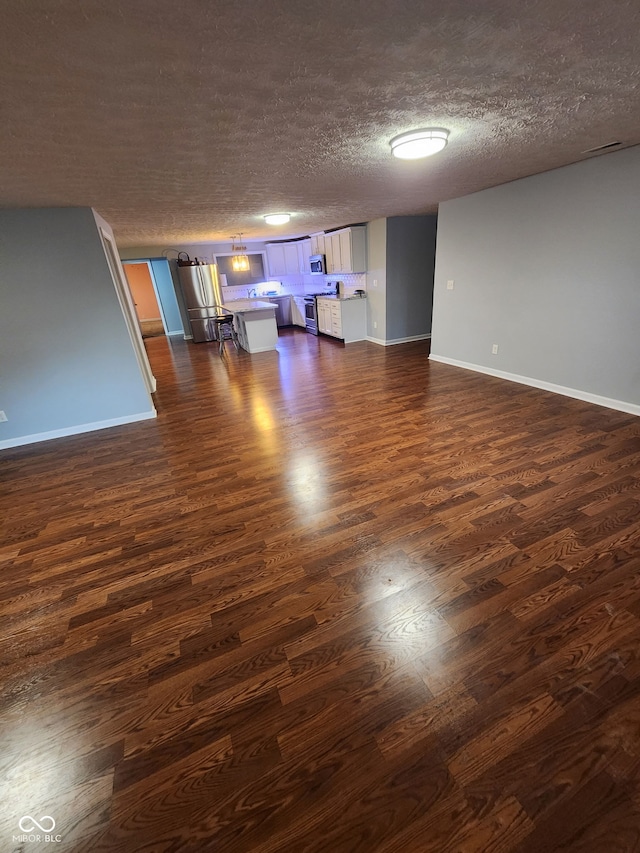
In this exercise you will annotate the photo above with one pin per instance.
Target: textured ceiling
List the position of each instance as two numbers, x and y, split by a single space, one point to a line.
186 121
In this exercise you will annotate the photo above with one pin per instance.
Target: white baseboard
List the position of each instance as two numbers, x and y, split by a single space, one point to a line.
395 341
75 430
585 396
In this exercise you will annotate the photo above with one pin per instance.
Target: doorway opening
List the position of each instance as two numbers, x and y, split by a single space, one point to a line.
152 289
148 310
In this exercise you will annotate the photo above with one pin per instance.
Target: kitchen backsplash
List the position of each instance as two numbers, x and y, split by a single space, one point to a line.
297 287
352 282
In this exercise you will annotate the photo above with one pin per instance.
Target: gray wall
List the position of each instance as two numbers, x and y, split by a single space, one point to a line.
548 268
411 250
66 359
400 258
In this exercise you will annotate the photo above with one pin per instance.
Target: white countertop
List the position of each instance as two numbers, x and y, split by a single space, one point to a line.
243 303
339 298
242 306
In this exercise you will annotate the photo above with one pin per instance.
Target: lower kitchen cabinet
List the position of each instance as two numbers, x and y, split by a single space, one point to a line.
343 318
324 316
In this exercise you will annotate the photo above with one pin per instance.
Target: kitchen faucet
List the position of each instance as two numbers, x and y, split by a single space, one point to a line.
253 292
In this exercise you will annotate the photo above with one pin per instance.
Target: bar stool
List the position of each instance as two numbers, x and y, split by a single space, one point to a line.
224 329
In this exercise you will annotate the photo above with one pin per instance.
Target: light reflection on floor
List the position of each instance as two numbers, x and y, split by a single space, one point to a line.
273 421
41 780
306 478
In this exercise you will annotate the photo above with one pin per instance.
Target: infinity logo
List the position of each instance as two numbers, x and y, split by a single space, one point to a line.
28 823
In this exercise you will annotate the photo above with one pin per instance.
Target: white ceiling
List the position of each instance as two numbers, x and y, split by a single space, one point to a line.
186 121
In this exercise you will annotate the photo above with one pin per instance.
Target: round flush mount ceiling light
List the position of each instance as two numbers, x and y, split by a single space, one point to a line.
277 218
419 143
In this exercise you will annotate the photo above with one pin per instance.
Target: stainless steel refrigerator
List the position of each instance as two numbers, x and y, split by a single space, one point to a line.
201 290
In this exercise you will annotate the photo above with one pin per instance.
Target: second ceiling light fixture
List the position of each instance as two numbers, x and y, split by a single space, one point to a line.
419 143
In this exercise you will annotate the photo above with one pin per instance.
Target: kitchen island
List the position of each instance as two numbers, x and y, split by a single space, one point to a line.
255 323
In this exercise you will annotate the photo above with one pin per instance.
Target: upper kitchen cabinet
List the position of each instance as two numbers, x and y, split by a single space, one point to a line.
283 259
346 250
332 253
305 251
317 244
292 258
275 259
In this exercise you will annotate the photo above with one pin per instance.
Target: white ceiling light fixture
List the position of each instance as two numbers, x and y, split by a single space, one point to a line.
277 218
419 143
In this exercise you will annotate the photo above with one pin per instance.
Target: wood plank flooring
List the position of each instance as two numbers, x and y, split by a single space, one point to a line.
332 599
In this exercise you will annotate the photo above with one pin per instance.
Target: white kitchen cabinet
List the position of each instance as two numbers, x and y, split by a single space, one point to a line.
336 319
332 251
297 311
328 255
286 258
291 258
305 251
330 317
317 244
346 250
324 316
343 318
276 259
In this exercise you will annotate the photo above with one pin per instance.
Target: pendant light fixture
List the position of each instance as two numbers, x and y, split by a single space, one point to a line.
239 261
419 143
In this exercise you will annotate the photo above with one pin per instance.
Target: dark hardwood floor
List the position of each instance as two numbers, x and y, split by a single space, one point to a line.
332 599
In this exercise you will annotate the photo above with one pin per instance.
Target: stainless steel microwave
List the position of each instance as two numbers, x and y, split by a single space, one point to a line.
317 264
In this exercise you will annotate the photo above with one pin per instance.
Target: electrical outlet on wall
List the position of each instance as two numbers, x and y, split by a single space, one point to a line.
450 284
494 349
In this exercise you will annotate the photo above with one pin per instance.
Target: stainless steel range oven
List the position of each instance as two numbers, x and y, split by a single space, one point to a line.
311 314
